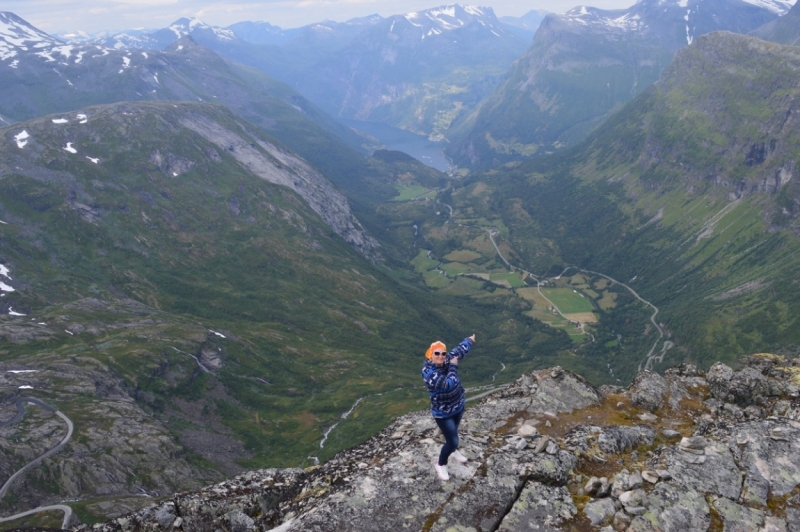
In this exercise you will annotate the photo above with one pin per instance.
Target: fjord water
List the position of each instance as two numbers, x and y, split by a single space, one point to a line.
417 146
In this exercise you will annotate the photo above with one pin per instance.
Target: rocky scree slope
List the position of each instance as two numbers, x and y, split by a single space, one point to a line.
251 149
582 67
684 451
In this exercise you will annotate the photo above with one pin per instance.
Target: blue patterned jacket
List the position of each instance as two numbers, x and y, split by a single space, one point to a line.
447 393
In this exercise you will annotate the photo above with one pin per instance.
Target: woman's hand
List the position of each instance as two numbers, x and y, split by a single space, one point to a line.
472 338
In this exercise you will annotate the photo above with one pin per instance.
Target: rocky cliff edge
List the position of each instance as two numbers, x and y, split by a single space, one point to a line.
685 451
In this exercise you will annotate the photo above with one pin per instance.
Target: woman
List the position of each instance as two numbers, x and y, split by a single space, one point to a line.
440 374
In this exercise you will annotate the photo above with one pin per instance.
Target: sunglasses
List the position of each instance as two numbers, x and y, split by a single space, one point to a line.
439 353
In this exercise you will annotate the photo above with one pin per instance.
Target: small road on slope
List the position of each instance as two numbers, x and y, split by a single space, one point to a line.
55 507
492 232
648 362
651 357
20 412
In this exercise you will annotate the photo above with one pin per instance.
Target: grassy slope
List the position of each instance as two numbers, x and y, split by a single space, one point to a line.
217 249
263 270
539 109
673 191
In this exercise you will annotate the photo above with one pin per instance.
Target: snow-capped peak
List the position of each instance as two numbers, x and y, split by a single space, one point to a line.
450 17
625 20
185 26
16 35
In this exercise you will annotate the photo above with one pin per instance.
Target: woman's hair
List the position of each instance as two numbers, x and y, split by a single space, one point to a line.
435 346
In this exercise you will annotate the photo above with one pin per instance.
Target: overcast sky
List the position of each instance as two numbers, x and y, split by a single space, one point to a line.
58 16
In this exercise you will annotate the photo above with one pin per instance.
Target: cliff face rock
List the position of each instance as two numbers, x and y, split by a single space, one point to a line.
550 452
277 165
101 134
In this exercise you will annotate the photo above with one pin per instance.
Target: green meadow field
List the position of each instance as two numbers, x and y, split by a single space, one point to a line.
567 300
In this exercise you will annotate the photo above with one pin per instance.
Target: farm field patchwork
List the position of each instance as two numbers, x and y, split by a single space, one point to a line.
410 192
567 300
510 280
455 268
582 317
462 255
422 263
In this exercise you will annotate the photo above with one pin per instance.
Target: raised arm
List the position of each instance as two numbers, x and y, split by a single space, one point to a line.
461 349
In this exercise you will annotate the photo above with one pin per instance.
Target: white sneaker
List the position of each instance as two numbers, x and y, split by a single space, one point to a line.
442 472
458 457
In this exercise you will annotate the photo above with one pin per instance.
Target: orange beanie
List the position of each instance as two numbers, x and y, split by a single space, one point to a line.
435 346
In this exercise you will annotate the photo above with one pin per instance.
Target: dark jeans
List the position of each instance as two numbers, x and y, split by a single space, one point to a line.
449 427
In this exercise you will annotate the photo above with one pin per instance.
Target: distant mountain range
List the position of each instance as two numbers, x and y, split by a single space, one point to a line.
41 75
527 24
420 71
583 66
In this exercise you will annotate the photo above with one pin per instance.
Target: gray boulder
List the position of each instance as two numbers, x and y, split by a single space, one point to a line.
742 388
539 507
648 390
673 509
600 511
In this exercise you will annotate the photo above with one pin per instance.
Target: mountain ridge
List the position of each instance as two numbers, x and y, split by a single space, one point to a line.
677 452
581 68
783 30
695 184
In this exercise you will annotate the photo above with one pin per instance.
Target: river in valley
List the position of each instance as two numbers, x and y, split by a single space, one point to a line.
417 146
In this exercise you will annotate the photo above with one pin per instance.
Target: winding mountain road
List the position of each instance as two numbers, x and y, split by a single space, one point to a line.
652 355
70 428
648 362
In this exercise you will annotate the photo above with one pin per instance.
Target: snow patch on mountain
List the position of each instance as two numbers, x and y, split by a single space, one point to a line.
629 20
616 20
778 7
185 26
17 35
451 17
22 138
69 148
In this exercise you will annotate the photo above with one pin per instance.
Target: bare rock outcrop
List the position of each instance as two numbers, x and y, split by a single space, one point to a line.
671 453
